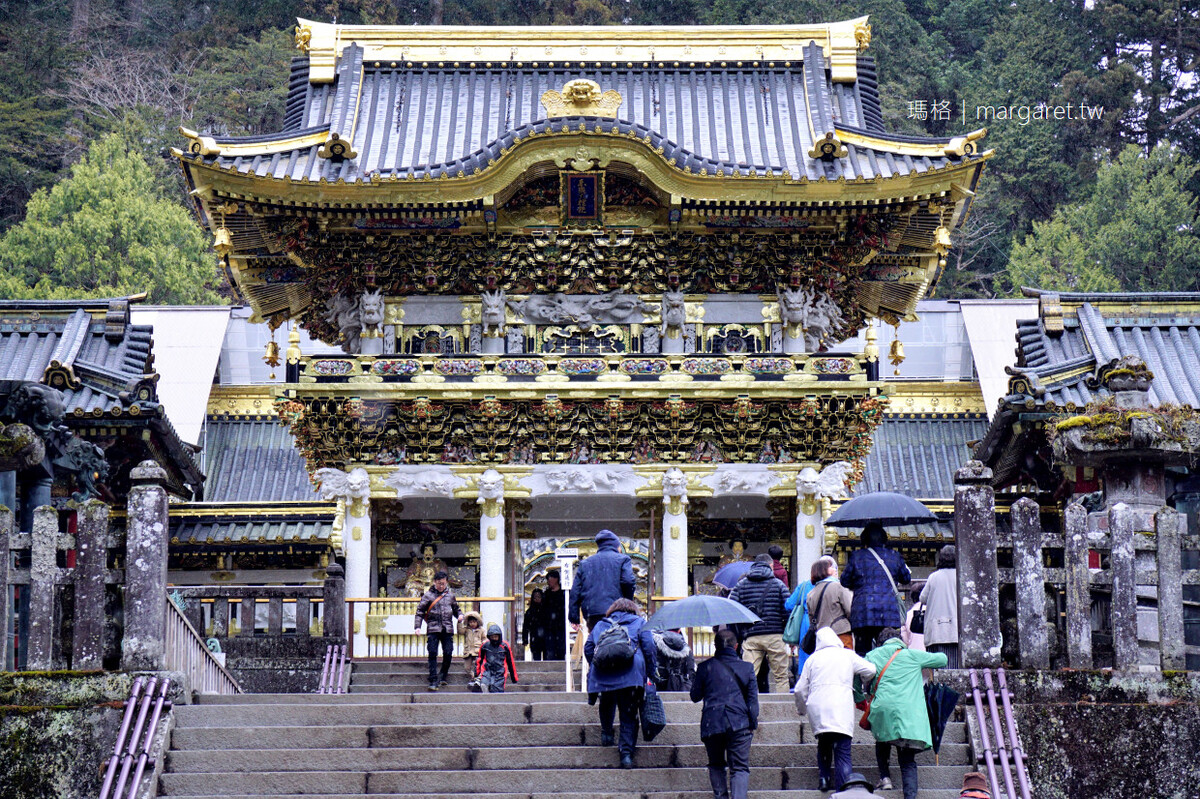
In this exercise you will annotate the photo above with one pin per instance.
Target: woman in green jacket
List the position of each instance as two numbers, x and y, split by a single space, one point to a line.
898 715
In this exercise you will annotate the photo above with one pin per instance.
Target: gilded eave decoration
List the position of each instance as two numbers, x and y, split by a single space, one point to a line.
335 431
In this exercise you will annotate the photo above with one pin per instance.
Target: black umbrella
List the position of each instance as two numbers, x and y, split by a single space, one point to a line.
885 507
940 702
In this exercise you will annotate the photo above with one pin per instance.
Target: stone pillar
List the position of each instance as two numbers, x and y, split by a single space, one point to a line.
145 570
978 581
43 569
493 563
333 613
6 519
1124 588
1170 590
1079 588
674 554
91 556
1030 578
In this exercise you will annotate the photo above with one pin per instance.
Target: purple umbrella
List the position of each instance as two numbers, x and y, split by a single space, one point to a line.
728 575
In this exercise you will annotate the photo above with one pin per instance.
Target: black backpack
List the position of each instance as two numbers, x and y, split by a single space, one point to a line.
614 650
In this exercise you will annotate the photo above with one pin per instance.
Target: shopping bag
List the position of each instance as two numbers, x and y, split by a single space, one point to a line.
654 715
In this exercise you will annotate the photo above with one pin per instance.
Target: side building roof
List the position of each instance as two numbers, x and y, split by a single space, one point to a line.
1059 354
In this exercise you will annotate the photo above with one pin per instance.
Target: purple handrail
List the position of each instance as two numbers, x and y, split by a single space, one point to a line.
1018 751
333 670
1022 777
983 734
130 707
142 696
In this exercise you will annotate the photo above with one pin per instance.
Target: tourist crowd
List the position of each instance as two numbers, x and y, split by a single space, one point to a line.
838 642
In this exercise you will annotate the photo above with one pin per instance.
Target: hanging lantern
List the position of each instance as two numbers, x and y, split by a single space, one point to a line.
896 354
222 241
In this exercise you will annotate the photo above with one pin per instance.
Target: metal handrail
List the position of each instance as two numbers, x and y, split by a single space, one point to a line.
185 651
992 718
333 670
144 701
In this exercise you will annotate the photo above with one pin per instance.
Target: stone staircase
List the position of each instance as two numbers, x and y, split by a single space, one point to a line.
390 737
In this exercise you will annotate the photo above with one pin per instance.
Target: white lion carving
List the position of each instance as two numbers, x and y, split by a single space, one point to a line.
354 317
491 492
492 312
829 483
813 312
674 490
336 484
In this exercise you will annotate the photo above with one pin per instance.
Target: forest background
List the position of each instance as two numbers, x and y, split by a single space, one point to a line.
92 93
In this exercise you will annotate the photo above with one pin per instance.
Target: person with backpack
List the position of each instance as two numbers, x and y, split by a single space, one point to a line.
729 688
621 653
676 666
872 574
764 594
495 662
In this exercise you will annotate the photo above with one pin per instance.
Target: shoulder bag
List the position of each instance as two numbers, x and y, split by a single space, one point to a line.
809 644
865 721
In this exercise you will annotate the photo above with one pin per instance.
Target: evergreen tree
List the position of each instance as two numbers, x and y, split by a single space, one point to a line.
104 231
1136 232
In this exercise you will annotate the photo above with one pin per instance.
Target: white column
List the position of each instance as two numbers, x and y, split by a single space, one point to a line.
674 534
492 562
357 544
810 534
352 535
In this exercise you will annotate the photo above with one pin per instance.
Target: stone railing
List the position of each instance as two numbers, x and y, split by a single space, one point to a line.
271 638
41 589
566 368
1095 595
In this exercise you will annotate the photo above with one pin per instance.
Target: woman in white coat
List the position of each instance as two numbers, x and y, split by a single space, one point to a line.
826 688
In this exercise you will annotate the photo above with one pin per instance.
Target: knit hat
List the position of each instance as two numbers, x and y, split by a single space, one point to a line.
975 781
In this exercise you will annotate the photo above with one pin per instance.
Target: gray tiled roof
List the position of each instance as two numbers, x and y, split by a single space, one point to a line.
1059 365
231 527
453 117
918 456
253 461
107 361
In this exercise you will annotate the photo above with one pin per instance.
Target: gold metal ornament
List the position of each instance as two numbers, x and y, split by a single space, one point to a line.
581 97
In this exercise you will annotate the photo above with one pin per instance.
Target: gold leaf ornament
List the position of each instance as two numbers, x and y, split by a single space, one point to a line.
581 97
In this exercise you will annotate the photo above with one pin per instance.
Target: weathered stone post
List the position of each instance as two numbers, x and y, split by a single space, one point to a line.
145 570
1079 588
1030 578
674 534
6 519
334 600
1124 588
43 569
979 638
1170 590
91 555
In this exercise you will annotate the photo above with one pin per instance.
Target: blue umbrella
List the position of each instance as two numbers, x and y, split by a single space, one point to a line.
728 575
885 507
700 610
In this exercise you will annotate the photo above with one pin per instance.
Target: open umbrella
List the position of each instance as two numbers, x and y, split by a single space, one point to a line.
940 701
729 574
885 507
700 610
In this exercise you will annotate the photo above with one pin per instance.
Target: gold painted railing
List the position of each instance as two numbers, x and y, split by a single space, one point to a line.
391 633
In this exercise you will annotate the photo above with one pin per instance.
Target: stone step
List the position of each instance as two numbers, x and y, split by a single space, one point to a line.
422 666
423 695
949 793
612 780
406 682
191 738
651 755
511 688
480 711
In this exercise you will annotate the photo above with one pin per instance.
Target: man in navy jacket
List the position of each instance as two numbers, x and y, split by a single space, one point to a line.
601 579
729 688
